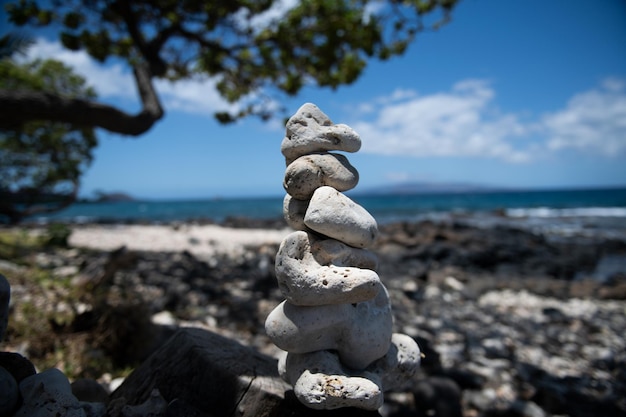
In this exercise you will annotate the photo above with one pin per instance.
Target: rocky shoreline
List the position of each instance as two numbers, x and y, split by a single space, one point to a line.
511 323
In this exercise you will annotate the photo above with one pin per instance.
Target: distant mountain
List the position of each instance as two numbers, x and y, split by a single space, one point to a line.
429 188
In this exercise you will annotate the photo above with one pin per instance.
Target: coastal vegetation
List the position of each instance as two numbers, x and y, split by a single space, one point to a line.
253 56
41 162
48 114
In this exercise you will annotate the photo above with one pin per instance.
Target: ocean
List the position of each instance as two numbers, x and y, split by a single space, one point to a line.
581 212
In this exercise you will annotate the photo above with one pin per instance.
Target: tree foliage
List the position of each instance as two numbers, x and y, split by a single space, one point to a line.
41 163
317 42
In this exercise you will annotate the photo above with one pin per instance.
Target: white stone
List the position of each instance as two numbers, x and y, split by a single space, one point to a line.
321 382
309 172
293 212
312 271
310 130
400 363
334 215
335 324
360 332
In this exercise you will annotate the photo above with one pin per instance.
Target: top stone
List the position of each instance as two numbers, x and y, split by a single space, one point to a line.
310 130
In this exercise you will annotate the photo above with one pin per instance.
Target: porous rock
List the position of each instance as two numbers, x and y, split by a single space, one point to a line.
360 332
399 364
336 320
313 271
309 130
294 211
335 215
309 172
320 381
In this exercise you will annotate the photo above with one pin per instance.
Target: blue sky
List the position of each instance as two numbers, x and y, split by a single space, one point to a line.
510 93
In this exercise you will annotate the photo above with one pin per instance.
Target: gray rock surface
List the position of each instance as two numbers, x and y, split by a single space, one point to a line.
484 351
360 333
336 321
310 131
309 172
294 211
333 214
313 271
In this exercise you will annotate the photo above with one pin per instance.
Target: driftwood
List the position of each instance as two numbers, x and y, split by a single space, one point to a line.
216 376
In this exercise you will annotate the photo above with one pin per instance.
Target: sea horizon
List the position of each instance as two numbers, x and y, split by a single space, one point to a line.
583 211
392 190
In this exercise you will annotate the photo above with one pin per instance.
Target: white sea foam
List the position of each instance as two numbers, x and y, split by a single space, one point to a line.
547 212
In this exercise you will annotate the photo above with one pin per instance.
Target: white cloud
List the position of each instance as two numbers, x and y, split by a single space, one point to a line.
109 81
192 96
464 122
594 120
460 122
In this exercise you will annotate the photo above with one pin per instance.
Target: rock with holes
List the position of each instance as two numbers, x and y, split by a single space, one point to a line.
310 131
335 323
322 381
316 271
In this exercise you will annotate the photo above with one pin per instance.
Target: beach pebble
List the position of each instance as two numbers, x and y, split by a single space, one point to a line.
307 173
310 130
5 297
337 216
48 393
320 381
399 364
360 332
313 271
293 212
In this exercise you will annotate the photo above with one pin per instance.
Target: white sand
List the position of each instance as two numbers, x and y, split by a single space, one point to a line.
199 240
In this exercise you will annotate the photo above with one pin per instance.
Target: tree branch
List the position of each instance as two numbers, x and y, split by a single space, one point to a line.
18 107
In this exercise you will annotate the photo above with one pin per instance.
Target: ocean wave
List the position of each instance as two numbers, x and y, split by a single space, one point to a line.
548 212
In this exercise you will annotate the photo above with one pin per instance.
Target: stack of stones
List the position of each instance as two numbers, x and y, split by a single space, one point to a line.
336 322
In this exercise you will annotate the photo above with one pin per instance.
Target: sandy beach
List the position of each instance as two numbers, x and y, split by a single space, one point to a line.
196 239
